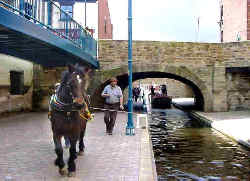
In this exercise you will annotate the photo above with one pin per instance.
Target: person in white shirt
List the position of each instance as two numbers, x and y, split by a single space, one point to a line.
113 102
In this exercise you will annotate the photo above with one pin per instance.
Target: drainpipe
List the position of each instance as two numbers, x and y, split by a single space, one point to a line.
130 130
213 70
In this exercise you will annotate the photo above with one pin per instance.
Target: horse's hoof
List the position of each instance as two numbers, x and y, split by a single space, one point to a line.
71 174
80 153
63 171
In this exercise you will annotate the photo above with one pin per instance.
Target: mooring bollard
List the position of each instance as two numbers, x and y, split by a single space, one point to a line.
138 117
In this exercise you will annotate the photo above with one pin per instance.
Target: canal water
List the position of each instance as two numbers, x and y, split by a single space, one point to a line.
184 150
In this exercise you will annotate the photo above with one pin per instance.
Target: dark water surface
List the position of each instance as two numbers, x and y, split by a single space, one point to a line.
186 151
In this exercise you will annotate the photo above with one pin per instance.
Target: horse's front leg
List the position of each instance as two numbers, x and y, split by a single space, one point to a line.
72 157
81 143
59 152
82 134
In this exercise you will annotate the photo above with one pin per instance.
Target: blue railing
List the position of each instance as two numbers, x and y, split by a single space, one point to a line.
49 15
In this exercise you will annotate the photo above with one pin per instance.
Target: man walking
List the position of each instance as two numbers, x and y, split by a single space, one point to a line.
113 102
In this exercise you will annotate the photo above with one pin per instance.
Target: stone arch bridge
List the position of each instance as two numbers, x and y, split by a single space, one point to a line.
218 73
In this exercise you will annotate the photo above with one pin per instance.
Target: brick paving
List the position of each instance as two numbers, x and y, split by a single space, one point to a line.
27 151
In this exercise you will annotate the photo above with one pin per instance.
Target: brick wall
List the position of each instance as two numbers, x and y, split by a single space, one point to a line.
248 20
235 17
105 28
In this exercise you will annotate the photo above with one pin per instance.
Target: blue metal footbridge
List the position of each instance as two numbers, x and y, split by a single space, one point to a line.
41 32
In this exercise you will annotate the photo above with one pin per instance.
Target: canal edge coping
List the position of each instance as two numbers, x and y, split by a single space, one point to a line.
209 122
147 170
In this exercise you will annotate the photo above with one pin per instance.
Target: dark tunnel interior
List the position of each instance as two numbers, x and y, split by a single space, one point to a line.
199 99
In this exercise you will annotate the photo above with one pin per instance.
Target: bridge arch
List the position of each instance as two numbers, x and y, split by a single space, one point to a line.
141 71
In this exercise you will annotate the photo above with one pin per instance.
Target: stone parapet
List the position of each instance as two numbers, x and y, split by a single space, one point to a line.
201 65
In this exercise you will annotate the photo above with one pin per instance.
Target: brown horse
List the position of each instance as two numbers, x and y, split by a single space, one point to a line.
67 108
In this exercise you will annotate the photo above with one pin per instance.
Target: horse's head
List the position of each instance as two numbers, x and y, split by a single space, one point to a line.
71 86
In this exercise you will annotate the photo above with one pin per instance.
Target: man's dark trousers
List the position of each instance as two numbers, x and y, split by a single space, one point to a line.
110 115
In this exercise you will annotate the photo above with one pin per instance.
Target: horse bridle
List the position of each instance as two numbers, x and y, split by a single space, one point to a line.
69 86
77 103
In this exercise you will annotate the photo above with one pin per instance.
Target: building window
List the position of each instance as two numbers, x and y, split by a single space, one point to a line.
16 82
68 9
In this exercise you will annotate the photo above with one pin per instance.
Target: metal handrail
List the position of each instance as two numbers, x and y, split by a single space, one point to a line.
40 12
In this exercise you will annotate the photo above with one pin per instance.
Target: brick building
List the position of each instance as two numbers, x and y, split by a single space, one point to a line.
234 22
105 27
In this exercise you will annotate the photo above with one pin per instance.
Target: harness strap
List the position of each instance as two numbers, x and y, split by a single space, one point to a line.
56 104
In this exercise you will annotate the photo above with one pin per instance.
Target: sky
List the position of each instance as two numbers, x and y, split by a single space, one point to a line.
167 20
160 20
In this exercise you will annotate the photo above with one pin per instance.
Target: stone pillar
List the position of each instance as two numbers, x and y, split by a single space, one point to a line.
37 91
95 88
219 89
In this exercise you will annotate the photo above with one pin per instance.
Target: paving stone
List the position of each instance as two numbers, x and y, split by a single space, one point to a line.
27 151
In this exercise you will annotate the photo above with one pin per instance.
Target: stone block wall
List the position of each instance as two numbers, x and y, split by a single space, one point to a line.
188 60
238 91
203 64
48 78
9 102
219 88
13 103
155 52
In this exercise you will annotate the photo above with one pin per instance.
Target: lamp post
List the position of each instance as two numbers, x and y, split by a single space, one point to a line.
130 130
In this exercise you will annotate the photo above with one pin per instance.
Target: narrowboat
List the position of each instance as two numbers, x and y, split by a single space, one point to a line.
161 100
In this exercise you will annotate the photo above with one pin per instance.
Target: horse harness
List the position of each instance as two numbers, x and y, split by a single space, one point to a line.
56 105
